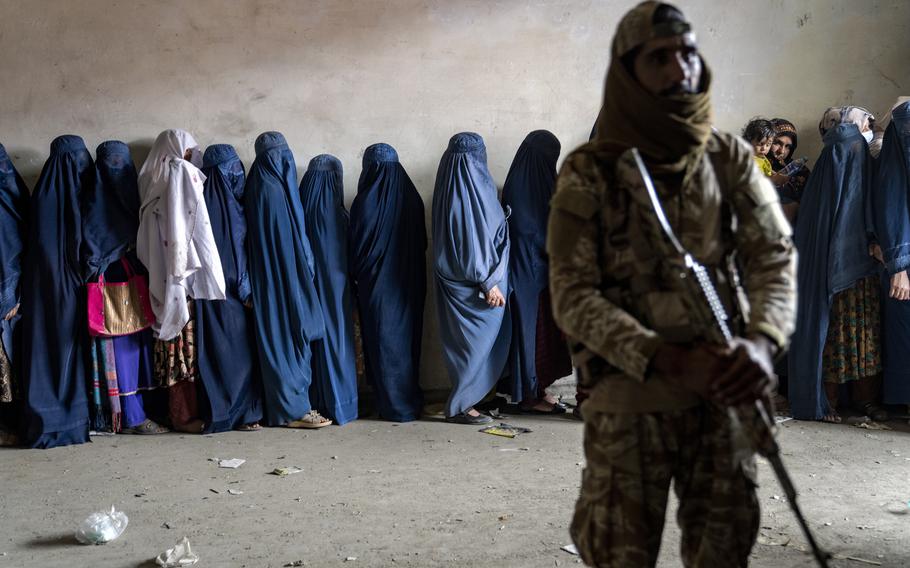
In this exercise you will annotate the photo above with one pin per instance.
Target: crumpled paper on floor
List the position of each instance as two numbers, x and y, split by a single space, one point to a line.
181 555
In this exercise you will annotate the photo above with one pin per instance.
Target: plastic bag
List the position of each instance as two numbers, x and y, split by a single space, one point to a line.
180 555
100 528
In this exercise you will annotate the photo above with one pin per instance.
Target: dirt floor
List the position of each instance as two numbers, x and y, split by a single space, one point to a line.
420 494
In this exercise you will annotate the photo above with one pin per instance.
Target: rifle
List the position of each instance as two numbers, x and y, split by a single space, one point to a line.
753 423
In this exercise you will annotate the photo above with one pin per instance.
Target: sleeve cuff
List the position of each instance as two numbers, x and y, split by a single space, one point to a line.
489 283
636 361
898 264
771 332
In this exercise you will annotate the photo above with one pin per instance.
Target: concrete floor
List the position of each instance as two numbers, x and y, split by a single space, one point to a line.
418 494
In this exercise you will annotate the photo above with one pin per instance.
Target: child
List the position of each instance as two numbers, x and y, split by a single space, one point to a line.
760 133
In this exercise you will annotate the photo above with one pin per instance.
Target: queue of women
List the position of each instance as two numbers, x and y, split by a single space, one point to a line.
200 297
852 232
196 296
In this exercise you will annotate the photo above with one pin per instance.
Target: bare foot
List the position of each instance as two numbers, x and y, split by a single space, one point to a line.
551 399
832 418
542 405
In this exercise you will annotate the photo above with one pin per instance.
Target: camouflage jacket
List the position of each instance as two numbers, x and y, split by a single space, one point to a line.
610 290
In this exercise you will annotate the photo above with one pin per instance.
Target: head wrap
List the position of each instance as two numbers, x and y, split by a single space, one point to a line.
784 127
175 240
670 131
843 115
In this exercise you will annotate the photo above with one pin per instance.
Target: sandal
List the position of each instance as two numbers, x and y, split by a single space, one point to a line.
311 420
465 418
251 427
146 428
554 409
874 411
554 400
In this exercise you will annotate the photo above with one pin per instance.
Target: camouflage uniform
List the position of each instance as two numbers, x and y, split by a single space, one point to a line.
612 294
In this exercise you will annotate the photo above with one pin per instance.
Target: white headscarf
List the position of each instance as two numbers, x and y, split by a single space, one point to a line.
876 146
175 239
862 118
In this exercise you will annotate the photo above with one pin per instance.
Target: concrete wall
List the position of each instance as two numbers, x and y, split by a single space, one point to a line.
338 75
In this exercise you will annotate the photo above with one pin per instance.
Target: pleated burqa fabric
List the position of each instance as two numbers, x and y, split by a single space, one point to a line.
334 389
471 257
540 355
286 306
832 236
891 192
122 366
388 264
14 205
226 350
54 329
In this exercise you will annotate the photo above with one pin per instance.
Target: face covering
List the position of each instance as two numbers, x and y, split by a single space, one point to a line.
868 136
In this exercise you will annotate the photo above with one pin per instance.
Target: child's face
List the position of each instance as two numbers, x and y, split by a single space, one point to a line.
762 146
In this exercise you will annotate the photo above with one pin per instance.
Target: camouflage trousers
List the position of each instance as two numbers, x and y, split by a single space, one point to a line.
631 460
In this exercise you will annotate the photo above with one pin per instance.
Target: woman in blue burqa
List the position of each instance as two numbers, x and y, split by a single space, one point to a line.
14 199
286 306
54 330
540 354
837 340
892 210
121 366
471 260
388 263
230 397
334 390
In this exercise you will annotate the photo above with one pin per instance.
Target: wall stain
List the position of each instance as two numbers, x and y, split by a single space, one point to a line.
889 79
802 21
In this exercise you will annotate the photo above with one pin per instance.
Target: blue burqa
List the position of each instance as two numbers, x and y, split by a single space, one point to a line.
527 192
833 234
54 329
334 390
471 257
228 369
388 263
111 209
285 303
892 219
14 199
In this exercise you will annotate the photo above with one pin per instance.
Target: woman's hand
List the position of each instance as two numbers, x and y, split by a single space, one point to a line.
12 313
495 299
875 251
900 286
779 179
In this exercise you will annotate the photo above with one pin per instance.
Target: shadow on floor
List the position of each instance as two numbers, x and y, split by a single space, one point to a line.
54 541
